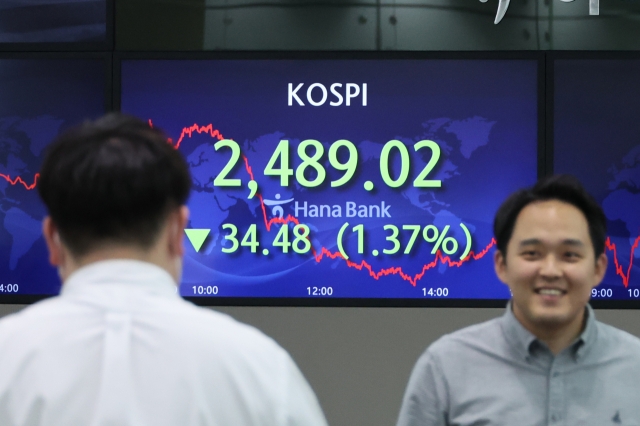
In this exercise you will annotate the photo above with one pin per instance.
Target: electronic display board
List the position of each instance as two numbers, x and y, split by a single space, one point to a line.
359 179
54 22
595 129
40 97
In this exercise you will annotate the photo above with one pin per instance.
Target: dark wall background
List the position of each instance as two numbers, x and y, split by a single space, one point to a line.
375 25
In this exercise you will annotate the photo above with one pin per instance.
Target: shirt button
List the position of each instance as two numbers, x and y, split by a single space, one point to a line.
554 418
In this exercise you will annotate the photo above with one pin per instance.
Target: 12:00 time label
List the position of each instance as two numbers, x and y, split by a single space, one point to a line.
320 291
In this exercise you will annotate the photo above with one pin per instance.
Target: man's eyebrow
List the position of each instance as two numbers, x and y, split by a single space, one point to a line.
566 242
572 242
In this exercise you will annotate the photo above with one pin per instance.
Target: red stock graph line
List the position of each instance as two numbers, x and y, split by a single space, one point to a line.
396 270
18 180
187 132
624 275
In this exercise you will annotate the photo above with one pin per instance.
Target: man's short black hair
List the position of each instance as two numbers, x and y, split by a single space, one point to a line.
113 180
563 188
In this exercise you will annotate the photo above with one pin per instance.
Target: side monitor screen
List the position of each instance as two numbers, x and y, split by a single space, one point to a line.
53 21
39 98
358 179
596 128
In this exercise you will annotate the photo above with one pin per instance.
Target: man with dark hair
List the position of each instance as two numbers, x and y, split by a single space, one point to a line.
547 360
119 346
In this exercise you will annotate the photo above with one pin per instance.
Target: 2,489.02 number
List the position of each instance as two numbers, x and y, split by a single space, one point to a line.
279 164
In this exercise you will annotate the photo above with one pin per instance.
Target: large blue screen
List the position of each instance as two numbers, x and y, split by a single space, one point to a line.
343 178
596 130
39 98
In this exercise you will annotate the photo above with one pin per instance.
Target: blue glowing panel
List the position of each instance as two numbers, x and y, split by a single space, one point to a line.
39 99
343 178
596 130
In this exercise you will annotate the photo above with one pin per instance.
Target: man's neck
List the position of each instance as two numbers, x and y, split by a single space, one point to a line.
558 342
557 337
117 252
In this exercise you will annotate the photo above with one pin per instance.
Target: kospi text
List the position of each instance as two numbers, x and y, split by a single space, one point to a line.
317 94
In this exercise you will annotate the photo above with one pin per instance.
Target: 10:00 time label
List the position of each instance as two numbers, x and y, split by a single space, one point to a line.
209 290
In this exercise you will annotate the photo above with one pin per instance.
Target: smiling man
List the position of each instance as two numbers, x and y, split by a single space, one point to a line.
547 360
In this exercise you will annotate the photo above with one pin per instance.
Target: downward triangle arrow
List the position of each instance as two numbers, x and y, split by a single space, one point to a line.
197 237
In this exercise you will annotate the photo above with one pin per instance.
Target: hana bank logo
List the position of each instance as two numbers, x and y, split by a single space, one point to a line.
594 8
276 206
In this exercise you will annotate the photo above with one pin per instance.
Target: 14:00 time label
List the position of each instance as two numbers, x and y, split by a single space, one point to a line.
435 292
9 288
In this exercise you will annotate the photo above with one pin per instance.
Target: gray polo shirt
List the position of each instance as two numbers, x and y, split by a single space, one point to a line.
497 373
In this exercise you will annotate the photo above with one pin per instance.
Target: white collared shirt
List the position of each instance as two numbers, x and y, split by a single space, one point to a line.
119 347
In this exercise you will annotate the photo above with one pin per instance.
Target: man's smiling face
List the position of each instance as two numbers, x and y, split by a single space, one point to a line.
550 267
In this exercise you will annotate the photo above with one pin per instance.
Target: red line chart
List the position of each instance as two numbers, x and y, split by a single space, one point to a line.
188 131
208 129
619 270
18 180
396 270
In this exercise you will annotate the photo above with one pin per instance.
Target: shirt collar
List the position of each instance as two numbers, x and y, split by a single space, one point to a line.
523 341
120 272
518 337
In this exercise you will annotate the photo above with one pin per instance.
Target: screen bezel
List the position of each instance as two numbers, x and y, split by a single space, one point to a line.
545 140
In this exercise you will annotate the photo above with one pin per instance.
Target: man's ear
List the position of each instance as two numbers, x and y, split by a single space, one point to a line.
500 265
179 221
601 268
52 239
